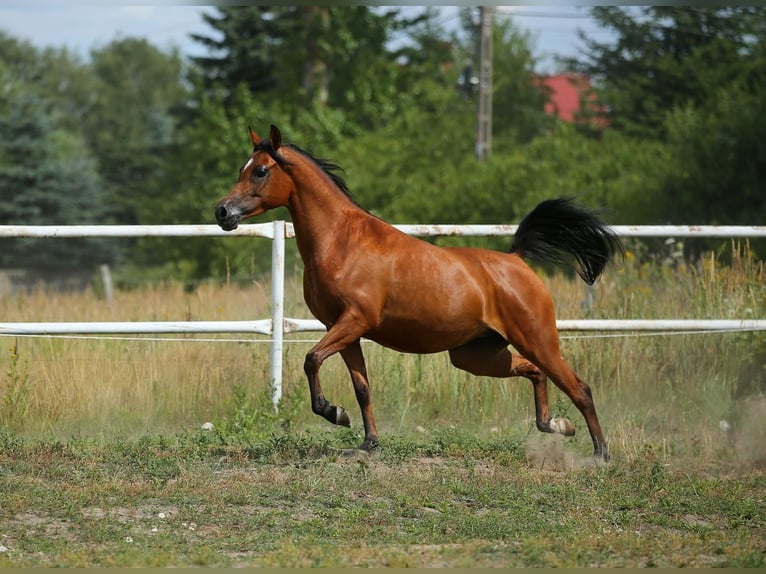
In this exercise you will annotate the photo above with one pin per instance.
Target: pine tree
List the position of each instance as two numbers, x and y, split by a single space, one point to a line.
669 56
47 177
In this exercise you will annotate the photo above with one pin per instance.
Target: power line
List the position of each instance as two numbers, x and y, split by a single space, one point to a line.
560 15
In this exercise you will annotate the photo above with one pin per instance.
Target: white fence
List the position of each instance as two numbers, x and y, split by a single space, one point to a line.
278 231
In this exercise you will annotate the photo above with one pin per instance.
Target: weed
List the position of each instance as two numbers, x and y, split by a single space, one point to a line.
16 390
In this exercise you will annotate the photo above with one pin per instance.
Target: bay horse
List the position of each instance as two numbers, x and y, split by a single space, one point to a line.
365 278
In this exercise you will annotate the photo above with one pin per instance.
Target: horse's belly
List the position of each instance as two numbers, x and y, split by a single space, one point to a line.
409 337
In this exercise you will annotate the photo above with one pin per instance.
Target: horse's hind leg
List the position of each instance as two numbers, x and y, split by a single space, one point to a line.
491 357
546 354
540 387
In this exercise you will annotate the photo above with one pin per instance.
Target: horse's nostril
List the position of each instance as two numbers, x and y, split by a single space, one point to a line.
220 212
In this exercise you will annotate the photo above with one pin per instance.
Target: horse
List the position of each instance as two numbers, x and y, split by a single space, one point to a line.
363 278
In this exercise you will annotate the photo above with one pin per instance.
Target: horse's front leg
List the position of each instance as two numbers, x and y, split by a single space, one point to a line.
342 334
354 359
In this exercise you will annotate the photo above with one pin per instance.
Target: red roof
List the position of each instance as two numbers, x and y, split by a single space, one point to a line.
565 93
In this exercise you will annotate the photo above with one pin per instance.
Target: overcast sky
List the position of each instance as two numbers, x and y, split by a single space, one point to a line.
82 27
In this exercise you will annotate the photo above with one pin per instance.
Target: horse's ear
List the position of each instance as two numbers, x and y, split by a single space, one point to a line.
275 137
254 137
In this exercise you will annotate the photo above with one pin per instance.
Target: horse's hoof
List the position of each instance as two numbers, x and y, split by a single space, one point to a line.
369 446
341 417
562 426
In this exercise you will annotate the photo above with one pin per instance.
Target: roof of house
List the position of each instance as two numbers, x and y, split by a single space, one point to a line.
565 94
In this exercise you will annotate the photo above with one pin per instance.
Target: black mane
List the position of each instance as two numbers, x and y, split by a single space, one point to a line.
327 166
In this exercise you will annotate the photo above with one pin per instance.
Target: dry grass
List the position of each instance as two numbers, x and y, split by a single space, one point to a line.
668 393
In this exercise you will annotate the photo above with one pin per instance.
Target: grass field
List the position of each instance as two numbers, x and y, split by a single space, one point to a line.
446 500
103 460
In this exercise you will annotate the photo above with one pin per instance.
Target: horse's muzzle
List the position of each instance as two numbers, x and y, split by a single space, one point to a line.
228 219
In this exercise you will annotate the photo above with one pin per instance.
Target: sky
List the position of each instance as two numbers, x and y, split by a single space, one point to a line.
81 27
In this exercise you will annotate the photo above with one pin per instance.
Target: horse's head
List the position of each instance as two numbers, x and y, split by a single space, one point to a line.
262 184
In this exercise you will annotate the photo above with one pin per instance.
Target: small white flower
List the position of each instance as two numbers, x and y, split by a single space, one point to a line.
724 425
207 426
155 529
129 539
161 515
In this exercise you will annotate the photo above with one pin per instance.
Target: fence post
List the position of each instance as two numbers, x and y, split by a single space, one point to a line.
277 310
106 279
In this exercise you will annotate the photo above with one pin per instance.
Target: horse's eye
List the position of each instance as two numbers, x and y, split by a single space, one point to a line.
260 171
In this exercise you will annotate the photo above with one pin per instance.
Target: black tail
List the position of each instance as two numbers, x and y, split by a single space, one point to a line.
558 228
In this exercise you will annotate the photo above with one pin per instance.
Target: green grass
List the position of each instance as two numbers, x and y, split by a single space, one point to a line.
452 500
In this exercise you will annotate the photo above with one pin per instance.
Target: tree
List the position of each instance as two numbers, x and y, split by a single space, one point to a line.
669 56
718 155
518 102
317 56
19 59
47 176
246 52
131 120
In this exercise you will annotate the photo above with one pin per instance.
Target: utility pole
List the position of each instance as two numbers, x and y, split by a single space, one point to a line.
484 114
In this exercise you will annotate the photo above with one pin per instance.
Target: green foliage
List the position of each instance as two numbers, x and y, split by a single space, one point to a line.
245 52
721 177
436 179
670 56
47 176
517 102
132 121
334 56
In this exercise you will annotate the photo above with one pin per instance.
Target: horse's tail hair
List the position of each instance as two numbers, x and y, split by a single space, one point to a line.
557 230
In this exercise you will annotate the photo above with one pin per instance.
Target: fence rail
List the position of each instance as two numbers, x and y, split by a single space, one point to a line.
279 230
423 230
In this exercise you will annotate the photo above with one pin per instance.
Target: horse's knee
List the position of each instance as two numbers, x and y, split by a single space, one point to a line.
311 364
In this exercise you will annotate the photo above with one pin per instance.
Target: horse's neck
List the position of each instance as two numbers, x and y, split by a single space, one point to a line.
322 216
